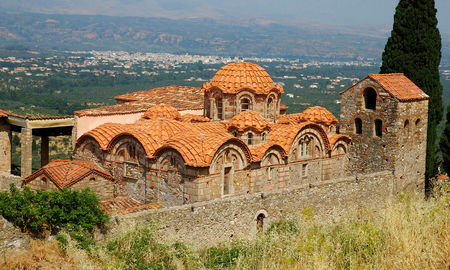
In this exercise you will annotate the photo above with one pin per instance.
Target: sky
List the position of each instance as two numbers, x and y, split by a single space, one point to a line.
326 12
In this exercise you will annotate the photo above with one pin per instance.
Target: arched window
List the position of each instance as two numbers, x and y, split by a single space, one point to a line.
270 109
406 127
370 98
263 137
219 107
378 128
358 126
245 104
260 223
235 134
417 122
250 138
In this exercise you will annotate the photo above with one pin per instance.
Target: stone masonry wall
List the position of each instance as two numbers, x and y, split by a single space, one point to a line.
5 146
207 223
411 142
370 153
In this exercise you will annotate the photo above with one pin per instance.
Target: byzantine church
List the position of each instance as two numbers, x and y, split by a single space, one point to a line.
177 145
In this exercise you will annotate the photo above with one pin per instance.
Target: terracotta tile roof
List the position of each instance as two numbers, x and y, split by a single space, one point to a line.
443 177
152 95
180 97
161 111
126 205
258 151
65 173
3 113
232 78
293 118
319 115
284 135
193 118
248 120
198 150
103 134
334 138
398 85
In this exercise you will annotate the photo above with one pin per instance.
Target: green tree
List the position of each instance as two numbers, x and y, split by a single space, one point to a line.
445 143
414 48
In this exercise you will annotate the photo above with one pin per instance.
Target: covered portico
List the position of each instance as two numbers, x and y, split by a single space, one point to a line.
28 127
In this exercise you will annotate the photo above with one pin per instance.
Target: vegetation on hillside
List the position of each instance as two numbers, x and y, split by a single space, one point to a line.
42 212
405 233
414 48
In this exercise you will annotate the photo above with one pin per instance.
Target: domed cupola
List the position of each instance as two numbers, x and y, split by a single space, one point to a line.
161 111
249 126
239 87
321 116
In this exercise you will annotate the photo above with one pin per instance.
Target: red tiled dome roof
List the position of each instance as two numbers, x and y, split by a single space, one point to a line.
248 120
193 118
161 111
318 114
243 75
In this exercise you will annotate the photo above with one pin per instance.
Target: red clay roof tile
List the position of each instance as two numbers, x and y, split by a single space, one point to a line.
65 173
248 120
398 85
232 78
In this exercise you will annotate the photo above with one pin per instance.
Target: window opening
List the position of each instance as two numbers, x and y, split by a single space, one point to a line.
226 180
260 223
219 105
250 138
358 126
245 104
370 98
378 128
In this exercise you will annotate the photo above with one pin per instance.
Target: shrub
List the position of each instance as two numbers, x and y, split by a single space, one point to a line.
40 211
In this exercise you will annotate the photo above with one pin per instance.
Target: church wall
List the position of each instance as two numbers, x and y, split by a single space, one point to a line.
411 143
104 188
210 222
369 153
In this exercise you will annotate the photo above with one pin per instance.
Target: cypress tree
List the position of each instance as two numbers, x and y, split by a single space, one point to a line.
414 48
445 143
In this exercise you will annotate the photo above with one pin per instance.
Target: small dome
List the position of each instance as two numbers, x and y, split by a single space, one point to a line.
248 120
318 114
161 111
242 75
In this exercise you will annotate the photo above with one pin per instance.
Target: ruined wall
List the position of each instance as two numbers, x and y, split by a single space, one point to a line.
5 146
207 223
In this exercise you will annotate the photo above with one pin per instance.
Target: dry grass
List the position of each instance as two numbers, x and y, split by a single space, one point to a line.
406 233
41 255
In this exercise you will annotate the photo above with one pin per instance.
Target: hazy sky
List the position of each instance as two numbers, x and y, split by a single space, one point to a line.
334 12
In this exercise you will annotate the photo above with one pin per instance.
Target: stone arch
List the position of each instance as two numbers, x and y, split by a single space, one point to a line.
273 156
271 105
262 221
241 100
316 137
229 154
88 149
170 179
126 147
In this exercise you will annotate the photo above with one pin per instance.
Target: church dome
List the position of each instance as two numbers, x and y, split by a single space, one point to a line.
318 114
248 120
234 77
161 111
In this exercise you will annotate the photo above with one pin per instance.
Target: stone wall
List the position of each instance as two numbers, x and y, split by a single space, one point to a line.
5 146
6 179
207 223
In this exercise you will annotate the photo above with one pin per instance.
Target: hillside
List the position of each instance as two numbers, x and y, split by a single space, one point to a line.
199 36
